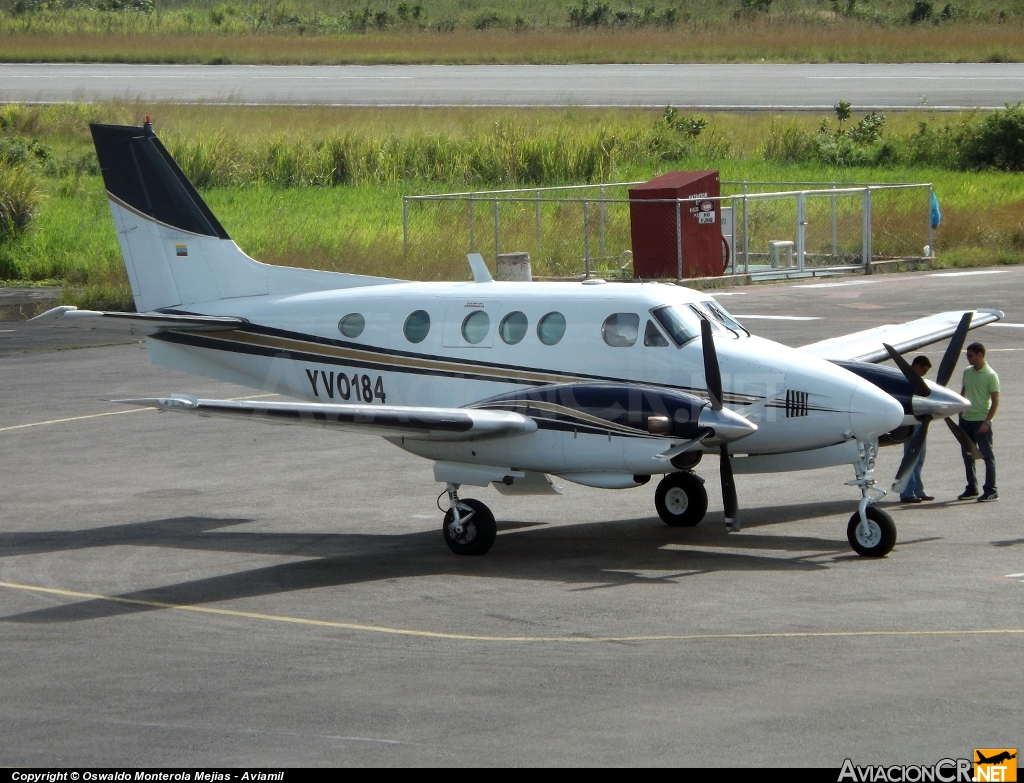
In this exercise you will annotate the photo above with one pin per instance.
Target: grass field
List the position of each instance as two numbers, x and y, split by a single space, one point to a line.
514 31
272 177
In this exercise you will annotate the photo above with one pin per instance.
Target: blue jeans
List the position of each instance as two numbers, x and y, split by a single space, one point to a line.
984 443
915 487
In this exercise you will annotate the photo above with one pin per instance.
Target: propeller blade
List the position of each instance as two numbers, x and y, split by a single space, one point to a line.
712 372
916 381
952 354
729 492
681 448
968 445
912 456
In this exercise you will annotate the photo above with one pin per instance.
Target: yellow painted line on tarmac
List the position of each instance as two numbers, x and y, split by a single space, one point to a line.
108 413
71 418
383 629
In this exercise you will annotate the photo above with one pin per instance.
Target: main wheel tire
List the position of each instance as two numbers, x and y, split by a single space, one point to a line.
681 499
880 537
478 533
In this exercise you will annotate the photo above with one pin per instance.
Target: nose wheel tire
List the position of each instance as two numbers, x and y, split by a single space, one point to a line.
478 528
681 499
879 538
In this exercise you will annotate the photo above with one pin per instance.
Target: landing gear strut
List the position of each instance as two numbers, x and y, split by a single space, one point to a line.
871 531
469 527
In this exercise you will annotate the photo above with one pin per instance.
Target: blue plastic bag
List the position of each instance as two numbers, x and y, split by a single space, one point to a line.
936 214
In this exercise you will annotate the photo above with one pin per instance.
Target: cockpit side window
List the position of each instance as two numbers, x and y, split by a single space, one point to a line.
680 324
653 338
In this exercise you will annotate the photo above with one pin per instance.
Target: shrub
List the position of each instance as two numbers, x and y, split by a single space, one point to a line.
921 12
585 16
19 200
998 142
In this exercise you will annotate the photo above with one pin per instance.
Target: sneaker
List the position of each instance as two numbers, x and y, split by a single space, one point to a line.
927 498
910 500
967 494
988 497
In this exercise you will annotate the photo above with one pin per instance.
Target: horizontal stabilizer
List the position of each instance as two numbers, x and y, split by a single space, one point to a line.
868 345
67 316
389 420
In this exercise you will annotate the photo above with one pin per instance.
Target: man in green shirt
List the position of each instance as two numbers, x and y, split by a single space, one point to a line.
981 387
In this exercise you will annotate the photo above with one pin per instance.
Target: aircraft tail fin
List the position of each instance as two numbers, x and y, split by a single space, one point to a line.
175 250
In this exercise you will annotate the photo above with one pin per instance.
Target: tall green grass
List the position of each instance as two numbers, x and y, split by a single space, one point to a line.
322 188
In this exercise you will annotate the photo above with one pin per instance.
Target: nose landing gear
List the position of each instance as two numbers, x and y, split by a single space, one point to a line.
871 531
469 527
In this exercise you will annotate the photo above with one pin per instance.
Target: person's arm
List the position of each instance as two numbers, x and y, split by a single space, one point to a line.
991 412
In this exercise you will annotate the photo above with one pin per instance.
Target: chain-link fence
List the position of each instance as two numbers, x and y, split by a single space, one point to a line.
767 228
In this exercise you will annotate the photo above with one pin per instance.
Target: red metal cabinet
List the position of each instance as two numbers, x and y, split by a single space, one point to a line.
653 226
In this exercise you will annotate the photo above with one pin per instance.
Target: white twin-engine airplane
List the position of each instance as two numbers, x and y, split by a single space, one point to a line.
506 384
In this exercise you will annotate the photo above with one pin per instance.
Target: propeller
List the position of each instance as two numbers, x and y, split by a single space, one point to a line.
713 376
946 368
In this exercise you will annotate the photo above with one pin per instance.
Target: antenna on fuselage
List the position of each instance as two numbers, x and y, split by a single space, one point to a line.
481 274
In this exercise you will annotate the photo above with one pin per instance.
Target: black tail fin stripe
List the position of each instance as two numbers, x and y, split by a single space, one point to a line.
139 171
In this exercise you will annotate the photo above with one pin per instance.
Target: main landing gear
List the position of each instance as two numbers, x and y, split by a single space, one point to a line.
469 527
871 532
681 499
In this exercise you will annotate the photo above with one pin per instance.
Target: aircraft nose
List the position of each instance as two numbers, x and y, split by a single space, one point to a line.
873 412
940 404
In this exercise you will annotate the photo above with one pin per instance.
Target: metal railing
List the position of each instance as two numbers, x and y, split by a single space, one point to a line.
833 226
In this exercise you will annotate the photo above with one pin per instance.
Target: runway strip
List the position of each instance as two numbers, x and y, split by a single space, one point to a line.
462 637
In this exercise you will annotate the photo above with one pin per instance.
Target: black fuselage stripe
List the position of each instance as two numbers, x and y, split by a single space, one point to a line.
209 341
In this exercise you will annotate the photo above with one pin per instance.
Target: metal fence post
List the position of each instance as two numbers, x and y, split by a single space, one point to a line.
405 225
601 219
497 231
746 236
472 241
732 228
801 227
537 203
866 231
679 240
586 237
835 233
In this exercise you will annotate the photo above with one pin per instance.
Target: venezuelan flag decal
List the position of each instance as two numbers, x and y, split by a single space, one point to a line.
181 250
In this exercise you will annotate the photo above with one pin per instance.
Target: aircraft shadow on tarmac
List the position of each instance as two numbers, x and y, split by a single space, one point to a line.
596 555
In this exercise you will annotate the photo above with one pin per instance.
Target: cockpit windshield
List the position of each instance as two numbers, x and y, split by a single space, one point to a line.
725 319
683 322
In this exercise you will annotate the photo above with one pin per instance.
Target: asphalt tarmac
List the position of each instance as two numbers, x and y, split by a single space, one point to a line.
882 86
194 591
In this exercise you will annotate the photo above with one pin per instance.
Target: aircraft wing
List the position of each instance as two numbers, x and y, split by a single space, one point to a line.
867 346
68 316
418 423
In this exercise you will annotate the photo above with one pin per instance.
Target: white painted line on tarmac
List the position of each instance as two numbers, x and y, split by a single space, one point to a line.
779 317
839 285
1007 326
968 274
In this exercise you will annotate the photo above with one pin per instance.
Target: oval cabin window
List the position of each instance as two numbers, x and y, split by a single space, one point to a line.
352 325
551 328
620 330
416 326
475 326
513 327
